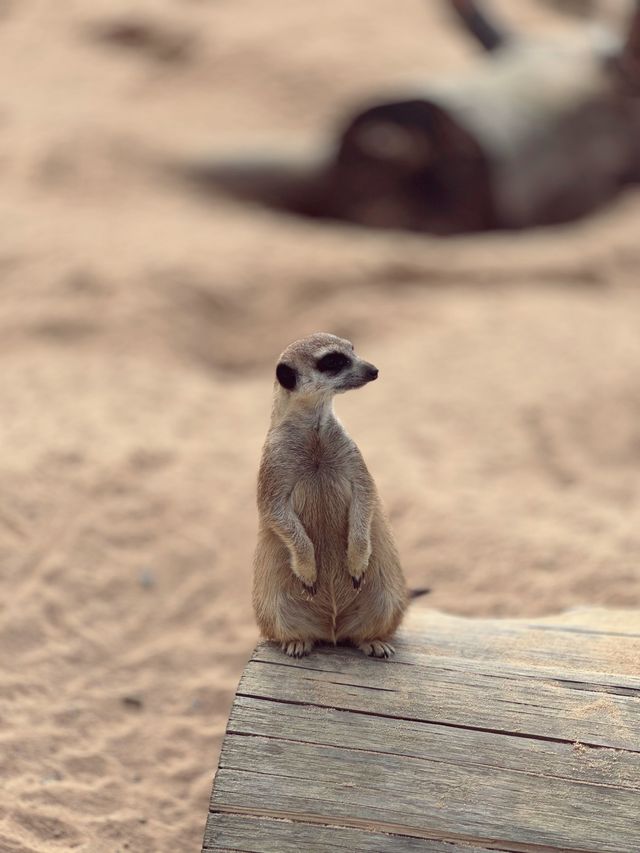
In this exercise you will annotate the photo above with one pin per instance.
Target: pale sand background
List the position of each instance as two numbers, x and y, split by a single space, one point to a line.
139 324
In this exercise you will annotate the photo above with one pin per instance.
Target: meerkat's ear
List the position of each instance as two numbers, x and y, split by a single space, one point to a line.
287 376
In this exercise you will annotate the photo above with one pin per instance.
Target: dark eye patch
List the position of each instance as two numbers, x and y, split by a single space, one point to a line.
333 362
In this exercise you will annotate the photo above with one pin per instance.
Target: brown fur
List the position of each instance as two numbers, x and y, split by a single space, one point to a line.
326 565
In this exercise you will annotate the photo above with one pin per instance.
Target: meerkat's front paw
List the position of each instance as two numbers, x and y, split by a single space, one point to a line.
357 571
308 592
297 648
358 581
308 576
358 563
377 649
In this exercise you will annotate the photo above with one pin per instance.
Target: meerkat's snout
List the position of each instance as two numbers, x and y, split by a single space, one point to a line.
361 373
371 371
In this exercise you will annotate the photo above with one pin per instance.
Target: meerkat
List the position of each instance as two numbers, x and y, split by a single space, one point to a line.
326 567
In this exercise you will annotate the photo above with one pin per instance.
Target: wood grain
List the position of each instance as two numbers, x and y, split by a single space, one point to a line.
479 735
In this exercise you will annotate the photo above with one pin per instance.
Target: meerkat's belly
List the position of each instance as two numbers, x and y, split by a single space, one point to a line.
321 500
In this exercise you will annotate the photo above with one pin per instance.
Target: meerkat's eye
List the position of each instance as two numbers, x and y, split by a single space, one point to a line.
333 362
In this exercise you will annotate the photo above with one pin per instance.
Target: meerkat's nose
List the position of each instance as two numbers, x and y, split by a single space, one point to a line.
371 372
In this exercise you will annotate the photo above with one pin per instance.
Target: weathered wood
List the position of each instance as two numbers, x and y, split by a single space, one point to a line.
516 735
540 132
279 835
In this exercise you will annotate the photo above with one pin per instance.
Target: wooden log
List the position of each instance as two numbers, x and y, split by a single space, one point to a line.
540 131
513 735
537 134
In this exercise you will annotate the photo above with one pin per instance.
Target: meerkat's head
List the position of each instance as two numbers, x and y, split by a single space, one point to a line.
321 365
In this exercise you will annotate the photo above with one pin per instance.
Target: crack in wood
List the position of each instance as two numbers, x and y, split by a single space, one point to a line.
508 675
402 831
296 820
593 632
448 725
430 759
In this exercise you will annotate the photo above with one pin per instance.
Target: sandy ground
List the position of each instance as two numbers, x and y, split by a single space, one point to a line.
139 325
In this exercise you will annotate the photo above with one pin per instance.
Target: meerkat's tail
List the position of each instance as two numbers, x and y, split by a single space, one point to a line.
418 592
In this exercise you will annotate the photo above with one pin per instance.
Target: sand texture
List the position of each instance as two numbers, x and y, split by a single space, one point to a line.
140 320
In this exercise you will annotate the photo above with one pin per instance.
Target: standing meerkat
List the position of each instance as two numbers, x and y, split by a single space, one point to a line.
326 565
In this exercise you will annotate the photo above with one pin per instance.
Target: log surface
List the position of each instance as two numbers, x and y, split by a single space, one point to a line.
513 735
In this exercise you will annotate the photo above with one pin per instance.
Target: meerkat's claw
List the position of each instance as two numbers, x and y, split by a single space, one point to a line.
309 590
357 582
377 649
297 648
